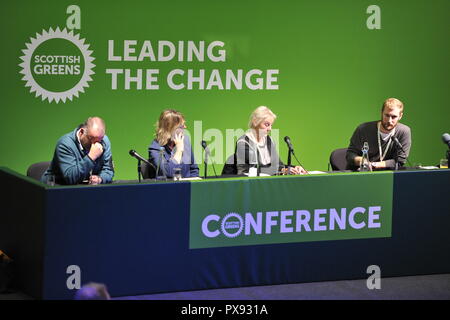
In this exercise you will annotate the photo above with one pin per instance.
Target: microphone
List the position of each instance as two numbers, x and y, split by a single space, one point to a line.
160 163
206 157
288 141
291 151
401 148
398 143
446 139
136 155
207 152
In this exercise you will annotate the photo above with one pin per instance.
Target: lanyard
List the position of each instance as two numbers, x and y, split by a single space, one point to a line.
379 143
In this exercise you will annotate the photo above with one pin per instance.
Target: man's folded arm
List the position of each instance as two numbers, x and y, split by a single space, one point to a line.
72 171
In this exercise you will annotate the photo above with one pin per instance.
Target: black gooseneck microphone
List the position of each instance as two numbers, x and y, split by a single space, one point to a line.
204 145
140 158
136 155
398 143
402 149
446 140
206 157
291 151
289 144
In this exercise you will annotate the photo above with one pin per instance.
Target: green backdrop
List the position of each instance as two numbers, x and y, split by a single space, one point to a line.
334 73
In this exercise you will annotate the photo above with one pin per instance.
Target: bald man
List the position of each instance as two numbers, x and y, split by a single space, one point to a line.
82 156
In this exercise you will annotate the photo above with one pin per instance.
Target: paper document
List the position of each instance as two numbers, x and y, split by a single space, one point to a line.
191 178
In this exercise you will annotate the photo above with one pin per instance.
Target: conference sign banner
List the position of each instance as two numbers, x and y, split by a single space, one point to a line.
337 207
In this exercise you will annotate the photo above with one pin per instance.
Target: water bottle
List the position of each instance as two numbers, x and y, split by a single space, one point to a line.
365 163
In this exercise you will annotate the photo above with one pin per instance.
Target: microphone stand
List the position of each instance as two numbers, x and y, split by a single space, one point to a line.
397 147
206 163
258 168
139 170
289 161
207 154
396 157
140 159
214 169
157 167
161 164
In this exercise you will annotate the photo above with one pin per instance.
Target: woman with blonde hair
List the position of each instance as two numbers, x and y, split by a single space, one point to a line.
175 147
256 149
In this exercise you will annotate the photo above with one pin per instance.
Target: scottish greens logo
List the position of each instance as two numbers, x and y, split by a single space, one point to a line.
57 65
232 225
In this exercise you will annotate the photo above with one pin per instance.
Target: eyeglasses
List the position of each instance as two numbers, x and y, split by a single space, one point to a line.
93 139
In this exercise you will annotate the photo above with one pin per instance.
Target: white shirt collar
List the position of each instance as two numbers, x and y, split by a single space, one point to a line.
78 139
252 136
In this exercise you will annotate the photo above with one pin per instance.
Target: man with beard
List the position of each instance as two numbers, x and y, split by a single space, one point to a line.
82 156
384 151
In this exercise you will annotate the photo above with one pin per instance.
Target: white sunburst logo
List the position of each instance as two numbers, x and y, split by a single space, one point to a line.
236 225
27 71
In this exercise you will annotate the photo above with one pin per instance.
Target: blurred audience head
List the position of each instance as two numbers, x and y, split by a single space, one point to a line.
92 291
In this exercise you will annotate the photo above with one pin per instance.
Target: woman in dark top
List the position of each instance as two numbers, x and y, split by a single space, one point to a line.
256 149
172 146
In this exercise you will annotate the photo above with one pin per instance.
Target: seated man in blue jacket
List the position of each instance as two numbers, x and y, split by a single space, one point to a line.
82 156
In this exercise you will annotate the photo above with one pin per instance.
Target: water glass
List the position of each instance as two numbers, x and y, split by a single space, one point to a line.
177 174
51 180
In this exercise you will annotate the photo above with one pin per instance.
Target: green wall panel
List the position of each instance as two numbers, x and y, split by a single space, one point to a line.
334 73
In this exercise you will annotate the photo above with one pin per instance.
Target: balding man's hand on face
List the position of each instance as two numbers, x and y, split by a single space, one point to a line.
96 151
